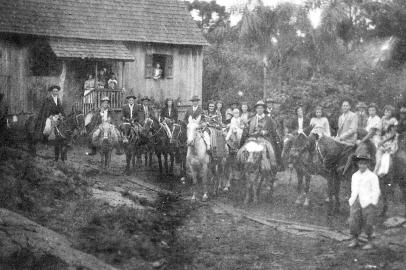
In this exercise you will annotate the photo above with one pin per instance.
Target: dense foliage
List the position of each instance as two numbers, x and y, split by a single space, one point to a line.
357 50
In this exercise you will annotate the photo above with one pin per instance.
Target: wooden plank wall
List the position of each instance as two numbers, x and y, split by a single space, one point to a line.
187 73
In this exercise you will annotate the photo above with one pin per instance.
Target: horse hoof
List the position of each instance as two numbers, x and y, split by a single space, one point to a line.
205 197
306 202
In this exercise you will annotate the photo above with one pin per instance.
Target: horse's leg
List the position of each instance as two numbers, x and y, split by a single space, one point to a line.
128 161
158 154
337 185
133 158
330 193
64 154
299 188
150 157
248 185
256 184
403 188
307 190
384 192
203 175
166 163
172 157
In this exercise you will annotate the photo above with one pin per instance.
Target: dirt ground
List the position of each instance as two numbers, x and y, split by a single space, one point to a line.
131 222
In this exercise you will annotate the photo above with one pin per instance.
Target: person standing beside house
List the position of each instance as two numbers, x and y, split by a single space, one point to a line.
144 110
89 83
364 199
169 112
51 106
129 111
195 112
220 110
102 78
102 114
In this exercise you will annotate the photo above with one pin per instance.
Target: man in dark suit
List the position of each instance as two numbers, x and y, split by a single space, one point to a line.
195 111
129 111
144 110
52 105
261 125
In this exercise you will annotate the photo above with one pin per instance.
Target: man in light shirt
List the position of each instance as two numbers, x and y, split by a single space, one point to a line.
364 198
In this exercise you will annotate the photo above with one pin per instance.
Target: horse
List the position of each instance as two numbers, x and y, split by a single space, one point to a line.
396 175
131 135
161 142
74 123
105 138
336 168
197 157
298 152
257 160
178 143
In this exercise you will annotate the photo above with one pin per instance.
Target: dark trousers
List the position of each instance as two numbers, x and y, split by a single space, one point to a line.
362 218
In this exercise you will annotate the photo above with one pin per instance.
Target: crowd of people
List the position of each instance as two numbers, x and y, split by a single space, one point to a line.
232 126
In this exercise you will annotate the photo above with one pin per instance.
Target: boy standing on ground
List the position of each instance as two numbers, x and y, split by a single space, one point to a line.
363 201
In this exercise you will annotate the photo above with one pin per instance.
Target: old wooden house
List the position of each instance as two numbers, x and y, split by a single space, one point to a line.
153 47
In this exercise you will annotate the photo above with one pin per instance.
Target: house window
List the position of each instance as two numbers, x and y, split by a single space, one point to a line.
43 62
158 66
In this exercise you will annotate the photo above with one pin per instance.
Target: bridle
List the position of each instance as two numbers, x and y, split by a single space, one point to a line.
133 132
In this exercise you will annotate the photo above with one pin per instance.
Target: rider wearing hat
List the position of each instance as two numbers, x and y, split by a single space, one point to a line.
52 105
261 125
102 114
145 110
129 111
195 111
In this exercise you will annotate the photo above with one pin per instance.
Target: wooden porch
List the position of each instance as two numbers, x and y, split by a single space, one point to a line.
92 99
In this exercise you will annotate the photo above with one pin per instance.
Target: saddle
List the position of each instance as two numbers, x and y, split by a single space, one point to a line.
215 142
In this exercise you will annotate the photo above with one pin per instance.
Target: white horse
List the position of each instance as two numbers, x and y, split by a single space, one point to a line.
197 158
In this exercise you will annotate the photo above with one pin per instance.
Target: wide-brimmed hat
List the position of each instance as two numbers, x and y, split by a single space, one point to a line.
389 108
53 87
105 99
211 102
145 98
195 98
363 156
402 109
260 103
361 105
131 96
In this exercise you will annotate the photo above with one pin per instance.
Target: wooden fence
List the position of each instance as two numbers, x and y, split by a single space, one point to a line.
92 100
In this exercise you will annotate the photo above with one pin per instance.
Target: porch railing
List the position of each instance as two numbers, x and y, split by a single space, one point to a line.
92 100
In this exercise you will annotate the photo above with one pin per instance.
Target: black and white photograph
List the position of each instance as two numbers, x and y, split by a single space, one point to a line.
202 134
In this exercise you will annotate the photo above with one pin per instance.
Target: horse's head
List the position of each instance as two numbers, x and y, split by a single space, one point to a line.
192 131
105 132
295 146
126 132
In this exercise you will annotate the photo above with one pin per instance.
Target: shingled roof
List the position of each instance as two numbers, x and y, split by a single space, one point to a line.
160 21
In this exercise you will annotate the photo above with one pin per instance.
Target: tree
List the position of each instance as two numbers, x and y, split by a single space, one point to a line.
211 14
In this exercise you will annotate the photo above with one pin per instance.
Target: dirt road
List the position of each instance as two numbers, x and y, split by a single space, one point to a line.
130 222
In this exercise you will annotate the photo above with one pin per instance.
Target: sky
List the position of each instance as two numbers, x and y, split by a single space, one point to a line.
236 17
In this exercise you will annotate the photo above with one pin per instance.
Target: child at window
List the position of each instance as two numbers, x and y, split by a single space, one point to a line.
157 72
112 83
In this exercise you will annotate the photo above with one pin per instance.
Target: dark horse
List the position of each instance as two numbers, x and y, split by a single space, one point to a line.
131 140
73 125
332 163
161 142
178 144
396 175
298 152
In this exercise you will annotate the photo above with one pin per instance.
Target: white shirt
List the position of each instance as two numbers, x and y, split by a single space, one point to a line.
365 187
104 115
373 122
300 125
194 108
146 110
131 109
55 99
